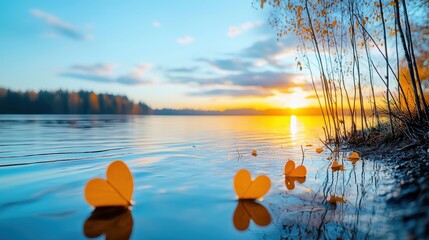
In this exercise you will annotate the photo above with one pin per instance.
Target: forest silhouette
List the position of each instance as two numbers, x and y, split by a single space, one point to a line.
64 102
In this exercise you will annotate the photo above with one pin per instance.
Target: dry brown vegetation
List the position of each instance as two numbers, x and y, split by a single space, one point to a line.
368 63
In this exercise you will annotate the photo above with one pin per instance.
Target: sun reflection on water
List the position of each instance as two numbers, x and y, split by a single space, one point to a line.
187 168
293 128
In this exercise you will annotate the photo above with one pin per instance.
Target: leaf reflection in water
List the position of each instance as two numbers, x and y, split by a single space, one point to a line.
290 182
247 210
333 199
113 222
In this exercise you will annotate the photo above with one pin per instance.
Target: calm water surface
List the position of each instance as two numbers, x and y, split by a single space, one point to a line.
183 168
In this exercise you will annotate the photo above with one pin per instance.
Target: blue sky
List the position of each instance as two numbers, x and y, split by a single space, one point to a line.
175 54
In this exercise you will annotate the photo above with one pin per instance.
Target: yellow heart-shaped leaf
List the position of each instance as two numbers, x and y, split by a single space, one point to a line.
248 189
319 150
254 153
333 199
247 210
116 190
336 166
354 156
291 171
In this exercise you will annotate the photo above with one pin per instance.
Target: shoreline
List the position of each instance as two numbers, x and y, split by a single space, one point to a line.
409 164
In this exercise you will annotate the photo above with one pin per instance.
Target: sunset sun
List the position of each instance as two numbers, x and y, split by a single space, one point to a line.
297 99
296 103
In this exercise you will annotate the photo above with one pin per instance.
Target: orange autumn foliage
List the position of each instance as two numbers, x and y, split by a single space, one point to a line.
291 171
335 199
337 167
354 156
254 153
245 188
116 190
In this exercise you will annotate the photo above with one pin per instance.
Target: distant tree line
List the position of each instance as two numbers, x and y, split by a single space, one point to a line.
64 102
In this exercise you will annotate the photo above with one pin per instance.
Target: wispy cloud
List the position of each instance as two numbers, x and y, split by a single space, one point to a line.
258 69
96 69
228 64
182 70
234 31
93 72
267 79
60 26
104 73
270 50
234 93
266 52
136 75
156 24
271 80
185 40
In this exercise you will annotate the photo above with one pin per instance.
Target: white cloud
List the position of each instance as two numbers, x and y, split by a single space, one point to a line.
156 24
136 75
60 26
185 40
234 31
104 73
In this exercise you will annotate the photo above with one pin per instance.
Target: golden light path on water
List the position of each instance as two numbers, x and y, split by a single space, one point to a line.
293 128
183 168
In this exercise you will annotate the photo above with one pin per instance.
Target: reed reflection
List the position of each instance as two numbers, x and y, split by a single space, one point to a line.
113 222
249 210
335 209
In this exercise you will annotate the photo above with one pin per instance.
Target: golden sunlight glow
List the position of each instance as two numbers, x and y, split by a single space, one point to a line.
294 103
293 128
297 100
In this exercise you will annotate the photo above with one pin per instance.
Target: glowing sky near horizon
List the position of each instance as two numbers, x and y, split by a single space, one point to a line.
169 54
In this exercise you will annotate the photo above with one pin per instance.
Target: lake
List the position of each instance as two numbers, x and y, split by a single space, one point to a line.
183 168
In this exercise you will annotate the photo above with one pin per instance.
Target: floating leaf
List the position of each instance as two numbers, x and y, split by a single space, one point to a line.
247 210
353 161
335 199
254 153
290 182
291 171
354 156
336 166
262 3
248 189
114 222
309 145
319 150
116 190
